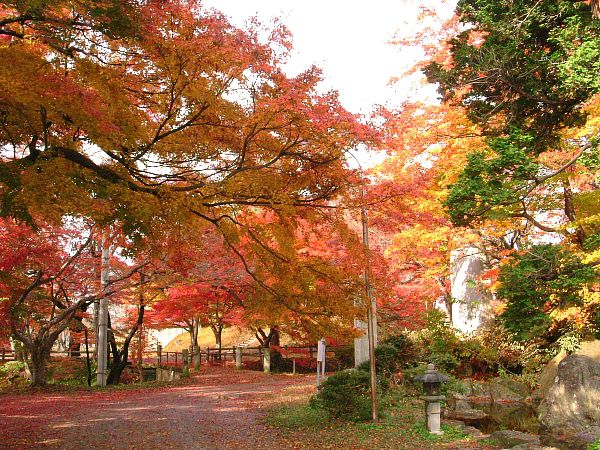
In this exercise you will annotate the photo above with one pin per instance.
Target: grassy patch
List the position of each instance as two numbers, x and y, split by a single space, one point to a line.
299 416
594 445
451 433
401 427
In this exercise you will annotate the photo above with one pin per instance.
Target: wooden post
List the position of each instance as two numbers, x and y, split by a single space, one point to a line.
266 360
196 357
238 357
158 356
185 357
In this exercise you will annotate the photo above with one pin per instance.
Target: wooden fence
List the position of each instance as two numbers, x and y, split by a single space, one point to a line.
7 354
213 355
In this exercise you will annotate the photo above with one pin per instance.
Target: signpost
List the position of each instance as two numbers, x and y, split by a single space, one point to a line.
320 362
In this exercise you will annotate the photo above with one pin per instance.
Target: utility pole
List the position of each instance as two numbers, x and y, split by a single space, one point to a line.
371 306
102 341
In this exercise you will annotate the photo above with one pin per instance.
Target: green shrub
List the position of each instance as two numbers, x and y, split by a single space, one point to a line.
386 365
11 367
344 356
66 370
594 445
407 353
346 395
507 355
437 343
386 361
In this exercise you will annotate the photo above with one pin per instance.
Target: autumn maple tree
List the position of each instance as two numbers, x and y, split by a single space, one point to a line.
144 287
180 119
51 278
43 287
428 144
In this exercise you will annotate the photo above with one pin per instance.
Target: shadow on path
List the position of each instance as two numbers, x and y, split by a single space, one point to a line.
218 409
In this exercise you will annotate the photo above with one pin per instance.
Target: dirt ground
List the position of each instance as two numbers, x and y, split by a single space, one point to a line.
219 408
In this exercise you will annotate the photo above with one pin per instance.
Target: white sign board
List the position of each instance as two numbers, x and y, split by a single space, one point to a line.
321 350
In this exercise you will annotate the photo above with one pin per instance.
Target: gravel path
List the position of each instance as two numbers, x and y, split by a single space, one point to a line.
220 409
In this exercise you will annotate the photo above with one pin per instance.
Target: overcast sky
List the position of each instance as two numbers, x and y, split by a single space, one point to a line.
347 39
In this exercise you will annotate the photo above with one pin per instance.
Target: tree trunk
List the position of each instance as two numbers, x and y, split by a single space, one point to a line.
40 346
113 349
120 357
116 368
218 332
115 365
195 330
570 212
265 341
275 341
275 337
38 367
96 314
75 326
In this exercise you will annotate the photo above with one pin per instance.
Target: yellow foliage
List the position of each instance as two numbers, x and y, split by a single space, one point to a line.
592 124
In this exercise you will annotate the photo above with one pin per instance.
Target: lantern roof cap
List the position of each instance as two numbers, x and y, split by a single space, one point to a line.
431 375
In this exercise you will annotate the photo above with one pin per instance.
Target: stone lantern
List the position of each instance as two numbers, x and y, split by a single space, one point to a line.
432 388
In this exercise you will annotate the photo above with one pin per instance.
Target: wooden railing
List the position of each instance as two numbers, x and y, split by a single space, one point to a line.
213 355
7 354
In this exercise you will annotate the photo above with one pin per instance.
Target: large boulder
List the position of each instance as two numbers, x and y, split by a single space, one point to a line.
548 375
508 390
569 411
468 415
497 390
532 447
510 438
480 390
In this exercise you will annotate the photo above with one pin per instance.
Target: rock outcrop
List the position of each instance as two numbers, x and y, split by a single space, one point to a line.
510 438
498 390
548 375
570 411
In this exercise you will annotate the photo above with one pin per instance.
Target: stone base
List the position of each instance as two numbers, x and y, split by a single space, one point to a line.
167 375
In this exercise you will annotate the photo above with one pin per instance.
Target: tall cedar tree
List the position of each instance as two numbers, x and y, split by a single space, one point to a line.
523 71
